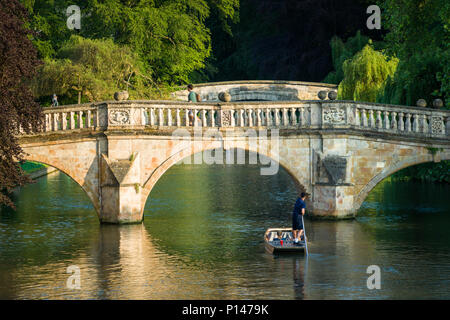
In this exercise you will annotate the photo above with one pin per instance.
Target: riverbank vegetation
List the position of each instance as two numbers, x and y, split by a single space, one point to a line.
32 166
18 63
411 62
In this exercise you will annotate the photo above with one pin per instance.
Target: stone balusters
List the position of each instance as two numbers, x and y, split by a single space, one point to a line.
387 124
365 122
371 119
284 117
268 117
357 116
249 118
276 117
361 116
178 117
160 117
258 118
293 117
401 120
416 125
379 122
69 119
408 122
168 118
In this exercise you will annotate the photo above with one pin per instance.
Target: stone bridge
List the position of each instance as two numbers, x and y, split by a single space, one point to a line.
262 90
336 151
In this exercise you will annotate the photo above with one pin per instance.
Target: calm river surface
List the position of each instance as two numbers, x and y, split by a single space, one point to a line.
202 238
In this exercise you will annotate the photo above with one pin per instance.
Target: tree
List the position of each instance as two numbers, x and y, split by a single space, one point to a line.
287 39
169 36
419 35
365 75
18 62
94 69
341 51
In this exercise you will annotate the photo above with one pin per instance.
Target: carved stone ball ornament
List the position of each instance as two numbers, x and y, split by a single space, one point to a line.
121 95
332 95
421 103
322 95
224 96
438 103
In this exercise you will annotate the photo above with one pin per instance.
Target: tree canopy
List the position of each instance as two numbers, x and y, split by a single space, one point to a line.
169 37
419 36
18 62
93 69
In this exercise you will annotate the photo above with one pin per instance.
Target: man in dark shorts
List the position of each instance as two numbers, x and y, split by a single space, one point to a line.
297 214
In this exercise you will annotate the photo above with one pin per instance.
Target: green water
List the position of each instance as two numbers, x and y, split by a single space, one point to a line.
202 238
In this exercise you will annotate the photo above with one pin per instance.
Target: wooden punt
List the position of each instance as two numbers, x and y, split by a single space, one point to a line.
273 244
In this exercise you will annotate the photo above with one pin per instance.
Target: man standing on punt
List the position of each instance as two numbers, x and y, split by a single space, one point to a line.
297 221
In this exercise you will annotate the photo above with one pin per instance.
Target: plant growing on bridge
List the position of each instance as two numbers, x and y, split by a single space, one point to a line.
18 62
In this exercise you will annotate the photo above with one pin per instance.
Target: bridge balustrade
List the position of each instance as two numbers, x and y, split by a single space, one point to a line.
370 117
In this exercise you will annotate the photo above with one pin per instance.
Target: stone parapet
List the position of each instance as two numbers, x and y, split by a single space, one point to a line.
323 115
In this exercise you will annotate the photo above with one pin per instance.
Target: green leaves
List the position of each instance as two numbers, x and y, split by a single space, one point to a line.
93 68
365 75
341 52
169 37
419 36
434 172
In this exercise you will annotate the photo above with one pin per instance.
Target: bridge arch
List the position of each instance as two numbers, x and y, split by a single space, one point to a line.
409 162
300 182
62 167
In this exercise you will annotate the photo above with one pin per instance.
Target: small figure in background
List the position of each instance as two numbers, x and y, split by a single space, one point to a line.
55 100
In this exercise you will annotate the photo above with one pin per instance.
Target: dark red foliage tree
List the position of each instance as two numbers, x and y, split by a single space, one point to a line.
18 62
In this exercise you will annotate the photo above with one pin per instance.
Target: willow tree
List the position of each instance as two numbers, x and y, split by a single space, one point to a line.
365 75
341 51
93 69
18 62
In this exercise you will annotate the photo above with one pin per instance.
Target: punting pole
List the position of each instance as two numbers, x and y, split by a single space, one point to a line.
304 235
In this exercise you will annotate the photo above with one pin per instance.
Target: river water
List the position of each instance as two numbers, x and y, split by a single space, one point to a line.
202 238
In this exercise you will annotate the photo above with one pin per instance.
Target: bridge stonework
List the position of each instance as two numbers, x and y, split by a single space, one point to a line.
336 151
264 90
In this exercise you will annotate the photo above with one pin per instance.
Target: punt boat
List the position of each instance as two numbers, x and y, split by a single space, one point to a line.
281 240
